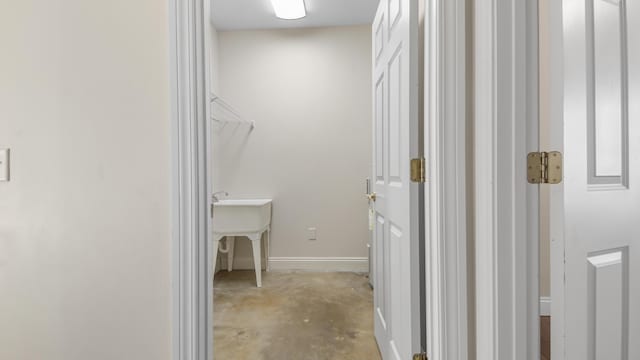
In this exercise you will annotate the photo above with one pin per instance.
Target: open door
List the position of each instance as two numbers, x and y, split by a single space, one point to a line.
395 198
595 215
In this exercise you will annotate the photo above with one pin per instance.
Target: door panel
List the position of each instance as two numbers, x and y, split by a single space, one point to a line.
601 186
379 130
395 94
606 64
395 107
607 286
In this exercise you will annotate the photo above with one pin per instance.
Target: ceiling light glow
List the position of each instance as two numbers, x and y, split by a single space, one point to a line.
289 9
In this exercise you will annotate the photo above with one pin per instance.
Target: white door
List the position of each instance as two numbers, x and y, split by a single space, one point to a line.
600 294
396 136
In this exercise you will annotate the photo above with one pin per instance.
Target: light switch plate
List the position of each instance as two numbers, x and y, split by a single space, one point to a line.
312 233
4 164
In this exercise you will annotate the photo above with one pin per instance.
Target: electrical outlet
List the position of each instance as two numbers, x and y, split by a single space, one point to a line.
4 164
312 233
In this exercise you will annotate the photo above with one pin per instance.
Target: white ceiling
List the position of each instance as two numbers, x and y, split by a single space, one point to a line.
258 14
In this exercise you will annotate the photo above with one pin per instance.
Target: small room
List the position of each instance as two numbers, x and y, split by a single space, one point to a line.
291 140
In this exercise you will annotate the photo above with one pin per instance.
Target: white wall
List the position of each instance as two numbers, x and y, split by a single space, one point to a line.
84 222
214 58
309 92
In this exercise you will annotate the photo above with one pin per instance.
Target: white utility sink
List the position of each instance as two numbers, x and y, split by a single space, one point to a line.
247 217
241 216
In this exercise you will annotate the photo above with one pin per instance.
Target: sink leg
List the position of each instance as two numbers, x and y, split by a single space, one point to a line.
266 250
231 243
216 245
257 259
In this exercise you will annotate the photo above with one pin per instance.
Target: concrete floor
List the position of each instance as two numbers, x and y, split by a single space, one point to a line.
294 316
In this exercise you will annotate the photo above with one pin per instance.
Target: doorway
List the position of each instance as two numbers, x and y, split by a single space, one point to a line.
447 69
291 122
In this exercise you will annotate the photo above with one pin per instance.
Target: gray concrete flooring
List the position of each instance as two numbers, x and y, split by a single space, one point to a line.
294 316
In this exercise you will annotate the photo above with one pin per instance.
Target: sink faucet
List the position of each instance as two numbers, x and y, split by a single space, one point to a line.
216 195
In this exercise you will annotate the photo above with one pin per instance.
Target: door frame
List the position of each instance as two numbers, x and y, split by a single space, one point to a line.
556 193
192 276
506 206
446 135
446 40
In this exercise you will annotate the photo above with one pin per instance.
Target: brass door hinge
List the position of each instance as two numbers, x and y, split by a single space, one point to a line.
421 356
544 167
418 170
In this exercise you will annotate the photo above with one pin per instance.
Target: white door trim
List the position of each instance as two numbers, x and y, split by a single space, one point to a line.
192 307
556 193
446 193
506 231
545 306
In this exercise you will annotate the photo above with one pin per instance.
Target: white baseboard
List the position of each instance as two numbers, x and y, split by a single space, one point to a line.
350 264
545 306
320 264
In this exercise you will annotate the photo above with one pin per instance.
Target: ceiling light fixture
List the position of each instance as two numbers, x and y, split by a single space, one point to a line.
289 9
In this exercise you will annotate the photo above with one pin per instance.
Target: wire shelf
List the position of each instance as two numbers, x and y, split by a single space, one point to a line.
222 112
